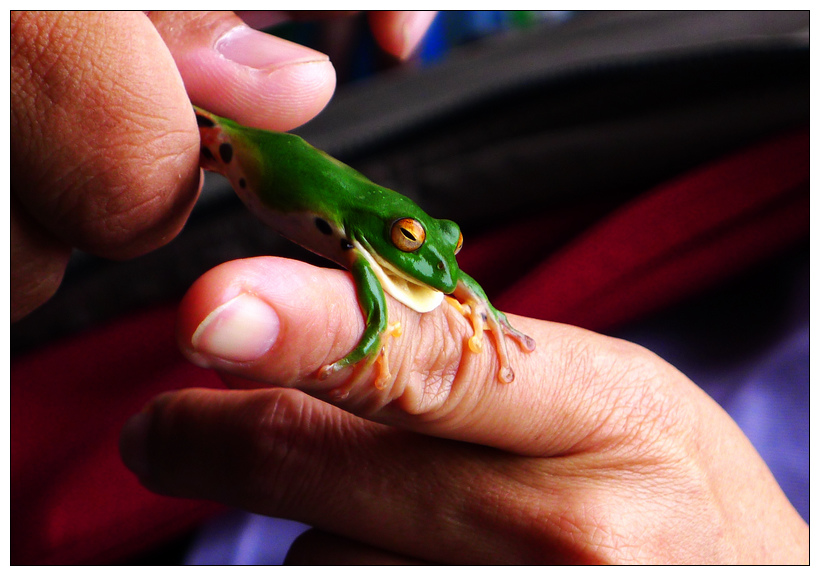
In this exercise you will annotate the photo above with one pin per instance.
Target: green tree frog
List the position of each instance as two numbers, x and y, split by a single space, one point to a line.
383 238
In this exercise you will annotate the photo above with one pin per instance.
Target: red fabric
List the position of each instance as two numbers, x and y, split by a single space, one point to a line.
72 500
667 244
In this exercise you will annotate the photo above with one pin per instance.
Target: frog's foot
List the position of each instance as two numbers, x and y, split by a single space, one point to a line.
483 316
526 343
382 366
382 371
343 390
476 341
393 330
383 374
463 309
482 321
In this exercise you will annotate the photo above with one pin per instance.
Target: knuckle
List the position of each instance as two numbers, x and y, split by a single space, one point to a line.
636 402
580 361
652 409
281 450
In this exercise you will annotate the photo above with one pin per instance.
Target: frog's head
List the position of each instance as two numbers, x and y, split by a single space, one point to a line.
412 253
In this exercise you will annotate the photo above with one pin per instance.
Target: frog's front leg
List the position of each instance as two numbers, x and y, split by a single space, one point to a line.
374 307
474 304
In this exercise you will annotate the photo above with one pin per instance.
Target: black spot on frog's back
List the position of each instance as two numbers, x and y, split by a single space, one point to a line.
226 152
204 121
205 152
323 226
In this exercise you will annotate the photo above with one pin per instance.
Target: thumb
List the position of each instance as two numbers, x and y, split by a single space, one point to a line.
275 322
279 321
252 77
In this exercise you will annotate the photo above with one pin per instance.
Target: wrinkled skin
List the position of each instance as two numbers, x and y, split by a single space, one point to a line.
599 452
106 149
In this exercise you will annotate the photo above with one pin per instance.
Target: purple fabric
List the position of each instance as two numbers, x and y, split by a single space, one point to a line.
241 538
756 367
771 405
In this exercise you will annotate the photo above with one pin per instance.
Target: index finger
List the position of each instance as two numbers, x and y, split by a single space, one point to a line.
274 322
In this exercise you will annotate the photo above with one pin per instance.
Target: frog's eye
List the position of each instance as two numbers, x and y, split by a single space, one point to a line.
407 234
459 243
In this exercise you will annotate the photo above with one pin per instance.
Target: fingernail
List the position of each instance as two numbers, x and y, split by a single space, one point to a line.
413 29
134 443
240 330
262 51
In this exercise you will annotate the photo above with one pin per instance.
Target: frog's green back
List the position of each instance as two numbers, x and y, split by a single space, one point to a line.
291 175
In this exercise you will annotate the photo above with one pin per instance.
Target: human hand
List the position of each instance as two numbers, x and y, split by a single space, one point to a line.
106 148
598 452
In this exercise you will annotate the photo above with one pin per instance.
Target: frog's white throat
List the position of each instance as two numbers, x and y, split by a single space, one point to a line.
406 290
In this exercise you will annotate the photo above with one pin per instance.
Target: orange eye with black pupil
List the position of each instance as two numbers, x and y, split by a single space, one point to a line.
459 243
407 234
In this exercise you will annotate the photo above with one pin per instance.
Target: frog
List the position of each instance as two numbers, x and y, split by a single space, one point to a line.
383 238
